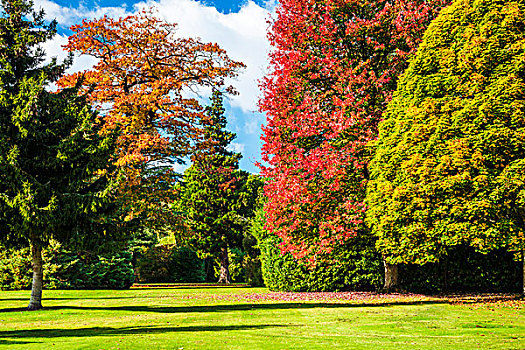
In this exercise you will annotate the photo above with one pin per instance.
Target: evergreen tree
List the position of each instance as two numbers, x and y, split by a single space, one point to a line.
53 162
210 195
449 163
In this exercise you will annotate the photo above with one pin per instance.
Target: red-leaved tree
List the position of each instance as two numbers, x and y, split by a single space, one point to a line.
334 67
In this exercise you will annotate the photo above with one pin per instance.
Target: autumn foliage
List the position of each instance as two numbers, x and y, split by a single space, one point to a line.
141 82
334 68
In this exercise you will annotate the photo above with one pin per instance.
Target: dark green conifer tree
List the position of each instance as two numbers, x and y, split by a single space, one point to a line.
210 196
53 162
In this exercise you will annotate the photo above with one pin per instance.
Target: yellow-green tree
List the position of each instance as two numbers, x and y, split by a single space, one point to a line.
450 158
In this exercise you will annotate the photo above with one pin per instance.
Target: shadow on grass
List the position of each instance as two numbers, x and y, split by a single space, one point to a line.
84 298
110 331
15 342
228 307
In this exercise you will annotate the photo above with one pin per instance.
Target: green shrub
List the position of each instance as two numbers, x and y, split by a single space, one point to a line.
15 269
353 266
64 269
186 266
67 270
253 271
169 263
252 262
153 264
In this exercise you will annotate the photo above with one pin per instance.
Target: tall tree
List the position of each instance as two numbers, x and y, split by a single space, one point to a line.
210 197
53 161
141 83
450 159
334 68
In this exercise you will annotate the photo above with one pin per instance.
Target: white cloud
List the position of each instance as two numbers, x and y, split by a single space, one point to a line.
53 48
236 147
253 124
67 16
241 34
180 168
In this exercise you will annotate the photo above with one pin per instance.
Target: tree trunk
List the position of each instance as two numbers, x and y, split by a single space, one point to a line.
391 277
523 263
35 303
224 276
445 275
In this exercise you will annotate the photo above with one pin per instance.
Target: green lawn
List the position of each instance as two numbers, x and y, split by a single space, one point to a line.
206 317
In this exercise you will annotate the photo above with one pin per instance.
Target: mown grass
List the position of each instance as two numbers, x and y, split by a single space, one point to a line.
250 318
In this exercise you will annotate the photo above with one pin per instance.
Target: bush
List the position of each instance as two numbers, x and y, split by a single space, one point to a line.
186 266
152 264
353 266
169 263
252 262
64 269
15 269
67 270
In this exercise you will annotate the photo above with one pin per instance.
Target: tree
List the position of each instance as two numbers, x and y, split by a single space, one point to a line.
449 161
334 68
141 81
53 161
210 194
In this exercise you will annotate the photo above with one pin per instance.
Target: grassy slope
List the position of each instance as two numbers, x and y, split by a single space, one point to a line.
217 318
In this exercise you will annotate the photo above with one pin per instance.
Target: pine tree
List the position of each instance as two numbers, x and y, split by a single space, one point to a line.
210 196
53 162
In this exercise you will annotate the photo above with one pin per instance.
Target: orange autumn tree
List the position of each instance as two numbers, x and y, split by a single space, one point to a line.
140 84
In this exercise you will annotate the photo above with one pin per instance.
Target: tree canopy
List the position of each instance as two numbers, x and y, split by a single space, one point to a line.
141 83
334 68
449 162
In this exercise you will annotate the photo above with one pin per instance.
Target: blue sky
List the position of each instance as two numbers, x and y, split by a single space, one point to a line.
237 26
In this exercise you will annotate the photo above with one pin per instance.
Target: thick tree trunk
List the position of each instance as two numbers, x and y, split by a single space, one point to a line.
224 276
391 277
35 303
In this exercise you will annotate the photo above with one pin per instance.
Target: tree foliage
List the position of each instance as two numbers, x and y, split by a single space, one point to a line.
141 81
334 67
450 159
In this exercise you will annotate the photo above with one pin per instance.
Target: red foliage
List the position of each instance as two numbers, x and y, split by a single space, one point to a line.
334 68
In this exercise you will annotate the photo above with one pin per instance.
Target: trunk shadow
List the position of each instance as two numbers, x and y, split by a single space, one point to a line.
229 307
15 342
110 331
